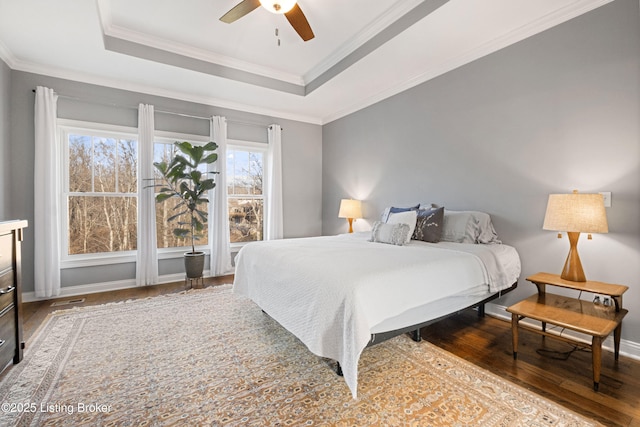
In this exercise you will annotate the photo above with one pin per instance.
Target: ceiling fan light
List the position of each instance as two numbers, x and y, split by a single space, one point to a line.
278 6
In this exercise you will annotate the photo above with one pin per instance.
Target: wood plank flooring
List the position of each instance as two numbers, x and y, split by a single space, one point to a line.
485 342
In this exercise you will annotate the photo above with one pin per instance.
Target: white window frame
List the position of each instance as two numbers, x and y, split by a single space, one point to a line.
66 127
170 138
262 147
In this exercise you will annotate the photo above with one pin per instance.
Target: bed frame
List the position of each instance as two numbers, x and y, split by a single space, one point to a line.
414 330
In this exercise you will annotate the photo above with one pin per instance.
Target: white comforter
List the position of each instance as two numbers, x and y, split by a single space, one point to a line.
330 291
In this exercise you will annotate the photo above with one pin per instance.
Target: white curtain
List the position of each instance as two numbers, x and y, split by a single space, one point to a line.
274 223
46 224
220 261
147 253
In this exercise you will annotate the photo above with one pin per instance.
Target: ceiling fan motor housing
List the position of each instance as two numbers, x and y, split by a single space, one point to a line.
278 6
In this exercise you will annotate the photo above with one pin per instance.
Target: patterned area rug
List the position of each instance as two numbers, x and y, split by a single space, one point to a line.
209 357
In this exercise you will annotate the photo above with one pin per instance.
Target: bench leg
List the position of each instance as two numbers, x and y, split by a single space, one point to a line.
514 334
616 340
596 352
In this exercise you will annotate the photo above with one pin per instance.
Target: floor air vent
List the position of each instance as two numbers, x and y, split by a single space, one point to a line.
67 302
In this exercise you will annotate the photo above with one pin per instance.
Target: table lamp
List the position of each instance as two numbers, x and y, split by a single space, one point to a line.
350 209
575 213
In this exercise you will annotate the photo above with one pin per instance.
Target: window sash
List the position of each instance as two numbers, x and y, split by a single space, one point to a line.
66 128
251 147
169 138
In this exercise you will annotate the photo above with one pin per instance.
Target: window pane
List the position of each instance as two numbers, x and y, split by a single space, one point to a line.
102 224
255 173
104 165
164 228
245 219
244 172
127 166
80 159
164 152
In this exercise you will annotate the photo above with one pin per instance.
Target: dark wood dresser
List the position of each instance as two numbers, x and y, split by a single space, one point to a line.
11 344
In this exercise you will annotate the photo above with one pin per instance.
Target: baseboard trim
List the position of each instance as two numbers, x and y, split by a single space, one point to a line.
94 288
627 348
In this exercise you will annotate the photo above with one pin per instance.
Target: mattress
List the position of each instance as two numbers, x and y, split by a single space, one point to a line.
333 292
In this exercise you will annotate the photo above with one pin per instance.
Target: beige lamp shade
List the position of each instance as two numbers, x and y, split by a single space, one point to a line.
350 208
578 212
575 213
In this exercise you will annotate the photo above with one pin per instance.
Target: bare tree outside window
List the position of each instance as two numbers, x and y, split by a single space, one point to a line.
245 195
102 194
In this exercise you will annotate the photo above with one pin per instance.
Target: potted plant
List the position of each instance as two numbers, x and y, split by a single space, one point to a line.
183 180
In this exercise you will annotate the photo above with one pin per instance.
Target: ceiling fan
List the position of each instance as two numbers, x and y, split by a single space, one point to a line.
288 8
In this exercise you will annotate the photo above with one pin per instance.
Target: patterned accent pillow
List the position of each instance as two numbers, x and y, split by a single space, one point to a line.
407 217
394 234
429 225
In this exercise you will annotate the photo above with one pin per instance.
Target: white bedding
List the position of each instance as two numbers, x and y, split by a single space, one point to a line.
331 291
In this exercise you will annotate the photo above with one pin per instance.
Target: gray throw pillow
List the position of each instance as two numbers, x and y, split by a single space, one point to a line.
429 225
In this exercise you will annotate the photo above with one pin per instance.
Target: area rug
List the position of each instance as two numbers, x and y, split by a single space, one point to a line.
209 357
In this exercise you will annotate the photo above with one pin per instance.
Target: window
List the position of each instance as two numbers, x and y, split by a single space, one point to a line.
245 173
99 201
163 150
100 191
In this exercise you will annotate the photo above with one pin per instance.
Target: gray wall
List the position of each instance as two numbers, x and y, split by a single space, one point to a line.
553 113
301 156
5 164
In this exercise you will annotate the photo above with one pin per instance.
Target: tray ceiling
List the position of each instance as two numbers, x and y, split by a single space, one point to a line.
363 51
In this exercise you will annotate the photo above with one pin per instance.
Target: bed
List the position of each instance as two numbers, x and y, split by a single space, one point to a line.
339 294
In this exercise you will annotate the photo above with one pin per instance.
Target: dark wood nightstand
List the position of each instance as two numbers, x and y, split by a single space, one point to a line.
596 320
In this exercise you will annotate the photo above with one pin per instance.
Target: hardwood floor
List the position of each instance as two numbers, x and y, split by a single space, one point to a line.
485 342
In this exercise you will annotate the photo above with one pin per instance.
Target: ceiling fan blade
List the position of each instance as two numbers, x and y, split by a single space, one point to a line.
299 23
239 10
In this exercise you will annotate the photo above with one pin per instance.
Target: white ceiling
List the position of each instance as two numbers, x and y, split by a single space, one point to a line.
363 50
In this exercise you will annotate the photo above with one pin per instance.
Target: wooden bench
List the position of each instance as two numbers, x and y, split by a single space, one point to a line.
586 317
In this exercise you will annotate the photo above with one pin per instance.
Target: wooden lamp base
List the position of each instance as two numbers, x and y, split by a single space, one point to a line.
573 267
350 224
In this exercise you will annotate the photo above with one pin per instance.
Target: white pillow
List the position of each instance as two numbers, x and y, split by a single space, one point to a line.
394 209
468 227
408 217
394 234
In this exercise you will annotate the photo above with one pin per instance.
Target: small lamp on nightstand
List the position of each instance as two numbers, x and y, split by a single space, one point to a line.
575 213
350 209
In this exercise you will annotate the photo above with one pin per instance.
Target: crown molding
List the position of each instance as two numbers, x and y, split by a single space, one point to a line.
7 56
122 33
156 91
544 23
199 54
391 15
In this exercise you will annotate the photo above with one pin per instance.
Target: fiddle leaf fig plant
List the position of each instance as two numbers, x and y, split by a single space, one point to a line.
184 179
